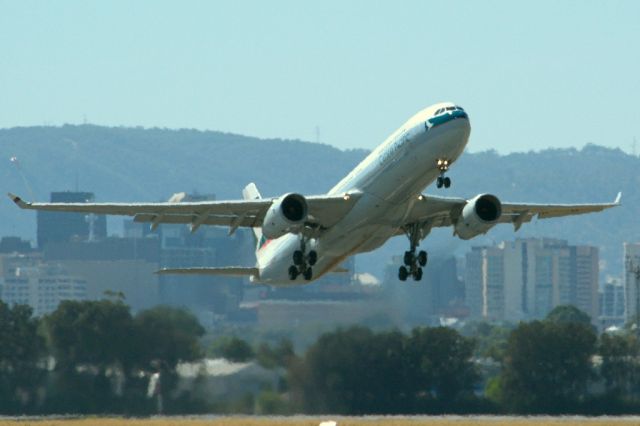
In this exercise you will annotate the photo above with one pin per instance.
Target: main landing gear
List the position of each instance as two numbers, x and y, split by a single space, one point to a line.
443 166
413 262
302 262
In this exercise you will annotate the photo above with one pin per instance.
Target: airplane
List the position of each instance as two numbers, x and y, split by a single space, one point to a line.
310 236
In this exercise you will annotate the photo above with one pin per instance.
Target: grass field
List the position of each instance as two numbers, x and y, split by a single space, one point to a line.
341 421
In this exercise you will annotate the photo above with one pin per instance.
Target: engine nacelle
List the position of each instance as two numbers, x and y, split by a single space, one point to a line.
286 214
479 215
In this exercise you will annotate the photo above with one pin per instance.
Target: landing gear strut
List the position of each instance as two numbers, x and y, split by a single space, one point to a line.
443 166
302 262
413 262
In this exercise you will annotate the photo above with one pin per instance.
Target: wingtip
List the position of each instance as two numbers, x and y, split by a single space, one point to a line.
19 202
618 198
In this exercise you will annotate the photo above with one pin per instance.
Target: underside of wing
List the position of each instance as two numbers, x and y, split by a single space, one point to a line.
323 211
428 212
519 213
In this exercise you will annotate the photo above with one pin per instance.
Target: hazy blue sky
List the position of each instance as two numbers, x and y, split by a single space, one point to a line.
531 74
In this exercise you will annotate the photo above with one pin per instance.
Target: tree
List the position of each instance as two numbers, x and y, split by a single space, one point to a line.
88 339
620 367
96 333
350 371
20 350
566 314
165 336
547 366
278 356
355 371
232 349
441 359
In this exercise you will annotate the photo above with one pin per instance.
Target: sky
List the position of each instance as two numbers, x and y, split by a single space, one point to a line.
531 75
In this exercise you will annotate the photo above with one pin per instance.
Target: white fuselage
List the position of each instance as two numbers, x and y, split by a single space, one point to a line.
389 181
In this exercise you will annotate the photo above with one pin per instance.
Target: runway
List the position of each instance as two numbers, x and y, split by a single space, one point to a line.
316 420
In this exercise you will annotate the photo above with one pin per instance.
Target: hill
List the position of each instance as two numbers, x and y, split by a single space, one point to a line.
129 164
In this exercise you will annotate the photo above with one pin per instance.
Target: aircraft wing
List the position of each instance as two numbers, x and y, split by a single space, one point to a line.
432 211
323 210
518 213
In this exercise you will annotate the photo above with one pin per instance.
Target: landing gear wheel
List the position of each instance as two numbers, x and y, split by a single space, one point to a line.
439 182
413 260
403 273
417 274
298 257
446 182
422 258
313 257
408 258
307 274
293 272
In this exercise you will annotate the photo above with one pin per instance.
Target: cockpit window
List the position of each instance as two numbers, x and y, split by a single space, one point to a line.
438 111
450 108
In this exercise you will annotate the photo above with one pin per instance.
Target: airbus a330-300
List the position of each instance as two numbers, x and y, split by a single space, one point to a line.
300 238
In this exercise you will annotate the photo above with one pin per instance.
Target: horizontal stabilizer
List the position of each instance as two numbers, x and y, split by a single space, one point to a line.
225 270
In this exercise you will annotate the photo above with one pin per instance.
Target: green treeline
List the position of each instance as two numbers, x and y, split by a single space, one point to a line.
92 357
96 357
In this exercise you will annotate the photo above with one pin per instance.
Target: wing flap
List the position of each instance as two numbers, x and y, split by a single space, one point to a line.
244 221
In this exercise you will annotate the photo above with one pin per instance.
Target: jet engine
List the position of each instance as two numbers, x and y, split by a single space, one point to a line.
286 214
479 215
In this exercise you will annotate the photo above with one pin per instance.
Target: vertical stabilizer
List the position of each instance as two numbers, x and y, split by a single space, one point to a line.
250 192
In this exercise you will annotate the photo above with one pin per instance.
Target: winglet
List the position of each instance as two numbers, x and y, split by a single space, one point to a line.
20 203
618 198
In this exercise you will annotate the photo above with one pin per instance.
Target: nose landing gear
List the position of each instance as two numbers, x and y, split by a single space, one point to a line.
443 166
302 262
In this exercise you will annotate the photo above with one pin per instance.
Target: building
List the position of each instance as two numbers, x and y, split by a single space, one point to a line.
632 282
439 294
56 227
526 278
612 304
120 265
42 286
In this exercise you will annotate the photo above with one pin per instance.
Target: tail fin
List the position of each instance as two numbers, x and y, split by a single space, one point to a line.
250 192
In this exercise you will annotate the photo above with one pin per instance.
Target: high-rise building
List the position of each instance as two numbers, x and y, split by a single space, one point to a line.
526 278
612 304
58 227
585 260
473 282
632 282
